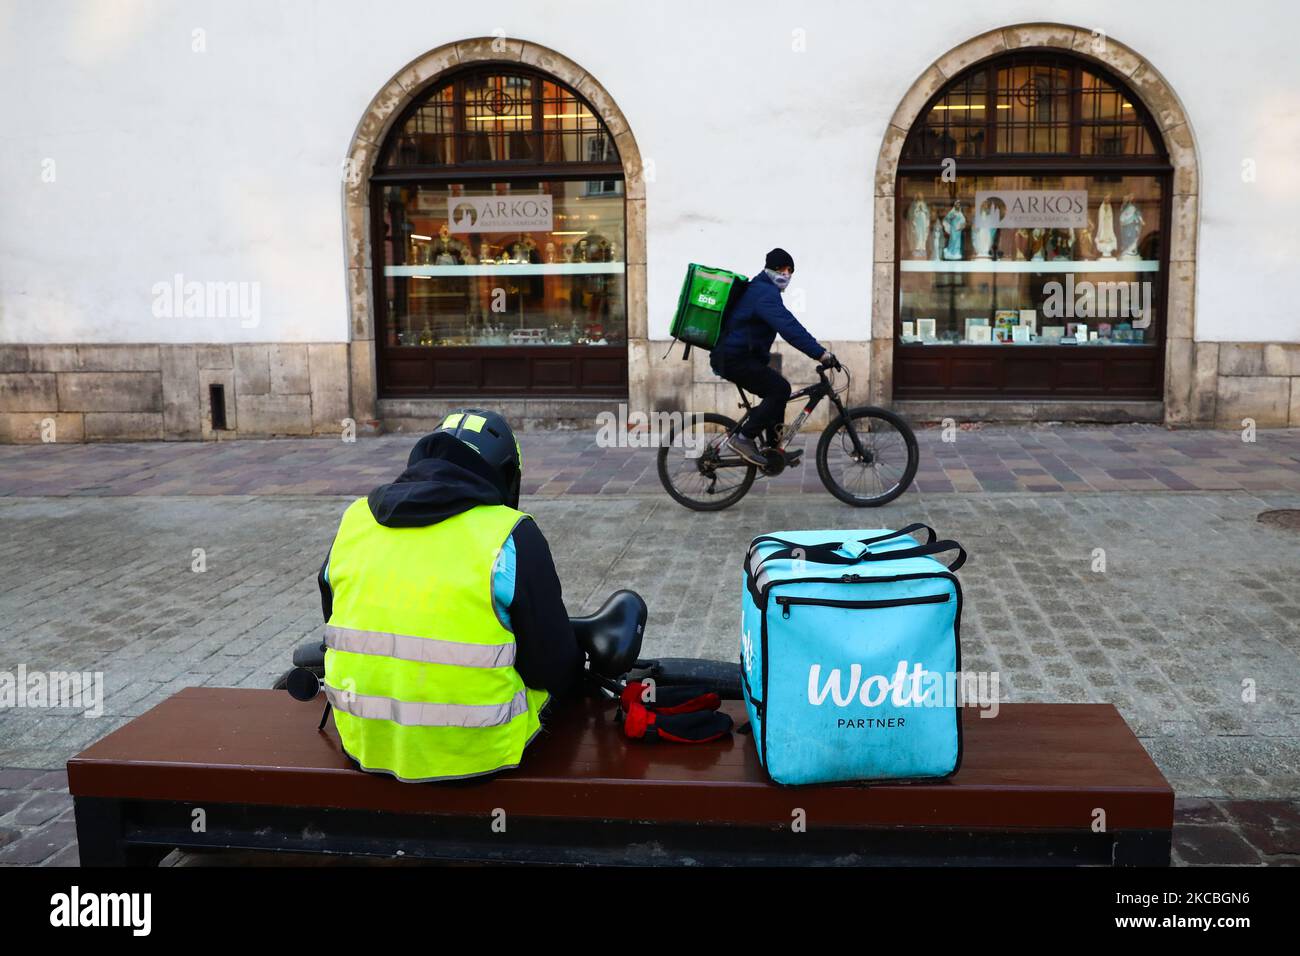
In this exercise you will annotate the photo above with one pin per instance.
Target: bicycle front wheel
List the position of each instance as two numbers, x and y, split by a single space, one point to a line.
698 474
878 467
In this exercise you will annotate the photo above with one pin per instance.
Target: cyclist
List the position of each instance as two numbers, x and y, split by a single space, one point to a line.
745 349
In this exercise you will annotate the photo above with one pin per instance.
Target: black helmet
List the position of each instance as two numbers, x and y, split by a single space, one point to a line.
491 436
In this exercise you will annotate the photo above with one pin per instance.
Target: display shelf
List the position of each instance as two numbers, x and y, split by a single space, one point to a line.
1053 265
511 269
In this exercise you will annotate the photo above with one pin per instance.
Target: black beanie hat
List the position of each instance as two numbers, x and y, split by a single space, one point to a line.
779 259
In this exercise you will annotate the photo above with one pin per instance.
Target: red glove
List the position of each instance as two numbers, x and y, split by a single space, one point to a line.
679 714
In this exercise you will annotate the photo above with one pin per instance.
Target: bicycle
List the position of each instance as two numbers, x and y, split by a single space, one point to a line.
865 447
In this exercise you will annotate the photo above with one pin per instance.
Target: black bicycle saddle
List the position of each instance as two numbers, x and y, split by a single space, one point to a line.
612 636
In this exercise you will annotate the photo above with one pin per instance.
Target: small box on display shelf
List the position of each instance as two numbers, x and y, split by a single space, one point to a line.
974 323
1004 320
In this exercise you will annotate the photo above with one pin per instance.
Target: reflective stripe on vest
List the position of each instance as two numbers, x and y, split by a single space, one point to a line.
426 650
417 714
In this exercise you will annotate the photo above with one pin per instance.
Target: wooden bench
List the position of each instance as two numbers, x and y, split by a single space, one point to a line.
253 761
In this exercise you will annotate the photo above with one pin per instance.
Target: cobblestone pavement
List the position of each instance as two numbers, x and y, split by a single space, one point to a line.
1047 458
1198 599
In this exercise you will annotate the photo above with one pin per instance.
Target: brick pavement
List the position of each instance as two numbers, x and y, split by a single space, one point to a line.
1197 598
1044 458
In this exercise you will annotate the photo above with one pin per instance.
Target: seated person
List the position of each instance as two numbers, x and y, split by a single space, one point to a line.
446 631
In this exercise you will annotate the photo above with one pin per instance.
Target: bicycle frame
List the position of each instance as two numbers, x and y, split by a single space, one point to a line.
814 394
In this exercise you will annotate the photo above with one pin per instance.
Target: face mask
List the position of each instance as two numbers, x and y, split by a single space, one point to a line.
780 279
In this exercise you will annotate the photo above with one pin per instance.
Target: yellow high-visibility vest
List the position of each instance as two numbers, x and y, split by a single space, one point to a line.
418 666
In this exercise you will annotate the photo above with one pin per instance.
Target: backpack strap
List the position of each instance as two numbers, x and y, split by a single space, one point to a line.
831 546
828 556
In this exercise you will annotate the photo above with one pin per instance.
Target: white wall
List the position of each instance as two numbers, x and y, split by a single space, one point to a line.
225 165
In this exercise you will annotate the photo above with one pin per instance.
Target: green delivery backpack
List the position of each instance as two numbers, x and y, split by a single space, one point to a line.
708 296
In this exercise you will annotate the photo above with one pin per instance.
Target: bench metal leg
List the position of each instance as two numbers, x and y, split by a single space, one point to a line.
99 831
102 837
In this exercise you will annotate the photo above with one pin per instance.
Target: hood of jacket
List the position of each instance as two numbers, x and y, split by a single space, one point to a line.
443 478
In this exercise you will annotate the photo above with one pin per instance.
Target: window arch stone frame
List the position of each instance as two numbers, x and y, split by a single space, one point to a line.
1188 396
407 85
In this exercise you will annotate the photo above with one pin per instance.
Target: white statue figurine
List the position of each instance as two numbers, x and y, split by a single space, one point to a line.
1130 229
987 219
1105 240
918 215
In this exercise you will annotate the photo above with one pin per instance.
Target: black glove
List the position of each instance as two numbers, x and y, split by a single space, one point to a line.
830 360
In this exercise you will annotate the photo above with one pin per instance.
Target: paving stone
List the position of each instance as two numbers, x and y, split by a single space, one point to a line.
1197 810
1213 846
42 807
17 779
12 800
34 846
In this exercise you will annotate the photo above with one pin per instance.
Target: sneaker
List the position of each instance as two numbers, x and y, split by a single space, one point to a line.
746 449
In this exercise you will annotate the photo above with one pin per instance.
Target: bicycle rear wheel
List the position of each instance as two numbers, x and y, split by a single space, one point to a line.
883 470
711 480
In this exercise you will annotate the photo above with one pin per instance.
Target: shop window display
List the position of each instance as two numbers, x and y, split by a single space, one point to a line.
448 283
1030 207
965 279
500 267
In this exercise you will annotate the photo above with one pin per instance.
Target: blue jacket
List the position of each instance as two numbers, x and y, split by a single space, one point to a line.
757 319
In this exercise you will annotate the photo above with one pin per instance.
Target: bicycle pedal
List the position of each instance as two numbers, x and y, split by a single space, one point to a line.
793 458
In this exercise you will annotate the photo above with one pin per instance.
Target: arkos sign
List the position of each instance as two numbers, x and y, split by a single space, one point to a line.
1031 209
469 214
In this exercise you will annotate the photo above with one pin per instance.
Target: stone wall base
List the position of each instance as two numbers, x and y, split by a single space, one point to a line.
981 410
163 392
75 393
425 414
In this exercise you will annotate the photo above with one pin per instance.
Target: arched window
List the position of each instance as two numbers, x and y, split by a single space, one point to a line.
1031 202
498 206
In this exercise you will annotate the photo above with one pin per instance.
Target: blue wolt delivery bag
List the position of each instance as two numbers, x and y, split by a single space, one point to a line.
850 656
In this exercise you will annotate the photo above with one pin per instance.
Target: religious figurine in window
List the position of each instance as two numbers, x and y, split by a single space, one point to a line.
446 250
1037 245
1106 241
918 216
1130 229
1085 247
954 223
936 240
1062 244
987 219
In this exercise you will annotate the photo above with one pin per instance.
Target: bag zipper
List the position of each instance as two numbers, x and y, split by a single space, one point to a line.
786 602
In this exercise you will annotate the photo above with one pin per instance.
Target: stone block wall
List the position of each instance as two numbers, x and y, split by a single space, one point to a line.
1237 380
72 393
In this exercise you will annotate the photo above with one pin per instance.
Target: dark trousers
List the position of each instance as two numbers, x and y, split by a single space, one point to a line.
765 382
